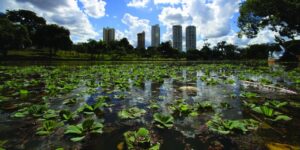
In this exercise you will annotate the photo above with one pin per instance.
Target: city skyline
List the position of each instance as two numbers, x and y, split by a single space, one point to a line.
215 19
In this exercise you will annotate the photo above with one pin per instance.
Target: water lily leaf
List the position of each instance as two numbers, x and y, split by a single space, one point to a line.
42 133
77 139
283 118
74 129
24 92
163 121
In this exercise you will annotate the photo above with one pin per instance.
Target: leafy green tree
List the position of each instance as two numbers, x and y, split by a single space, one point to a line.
53 37
194 54
206 51
166 50
92 48
29 19
280 15
12 36
124 43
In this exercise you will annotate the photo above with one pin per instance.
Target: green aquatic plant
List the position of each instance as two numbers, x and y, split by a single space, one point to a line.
24 92
225 105
3 99
265 81
34 110
90 109
248 95
218 125
268 112
153 106
140 139
2 143
48 127
131 113
70 101
163 121
82 130
294 104
204 106
276 104
67 115
50 114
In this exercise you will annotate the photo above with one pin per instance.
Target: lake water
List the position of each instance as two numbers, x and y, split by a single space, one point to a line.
193 93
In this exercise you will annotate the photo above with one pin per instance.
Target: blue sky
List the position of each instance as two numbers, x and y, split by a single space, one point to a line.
216 20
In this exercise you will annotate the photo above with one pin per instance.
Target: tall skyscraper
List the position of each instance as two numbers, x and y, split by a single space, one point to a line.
177 37
108 34
155 35
190 37
141 40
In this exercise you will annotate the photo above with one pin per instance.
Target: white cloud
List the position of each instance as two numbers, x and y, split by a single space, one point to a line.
172 2
138 3
94 8
65 13
136 25
119 35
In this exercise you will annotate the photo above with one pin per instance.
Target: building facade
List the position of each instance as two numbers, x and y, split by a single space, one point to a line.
191 38
108 34
155 36
177 37
141 40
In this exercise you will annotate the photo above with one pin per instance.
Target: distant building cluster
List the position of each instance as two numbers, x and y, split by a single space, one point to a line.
190 31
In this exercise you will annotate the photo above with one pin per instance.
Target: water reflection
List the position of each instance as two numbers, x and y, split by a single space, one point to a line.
166 93
148 90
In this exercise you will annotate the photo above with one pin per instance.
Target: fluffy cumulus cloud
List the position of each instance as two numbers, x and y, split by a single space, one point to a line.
94 8
167 1
213 19
136 25
138 3
65 13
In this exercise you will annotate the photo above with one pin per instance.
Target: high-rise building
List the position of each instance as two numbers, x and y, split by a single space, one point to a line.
141 40
155 35
177 37
190 32
108 34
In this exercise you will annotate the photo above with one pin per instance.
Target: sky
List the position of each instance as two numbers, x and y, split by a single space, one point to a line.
215 20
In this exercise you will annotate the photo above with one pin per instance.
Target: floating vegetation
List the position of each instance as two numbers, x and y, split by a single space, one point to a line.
163 121
218 125
186 106
131 113
80 131
140 139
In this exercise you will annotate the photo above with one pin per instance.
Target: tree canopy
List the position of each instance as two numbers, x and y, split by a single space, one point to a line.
13 36
26 18
53 37
278 15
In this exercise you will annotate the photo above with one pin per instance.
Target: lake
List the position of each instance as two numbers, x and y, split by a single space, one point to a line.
149 105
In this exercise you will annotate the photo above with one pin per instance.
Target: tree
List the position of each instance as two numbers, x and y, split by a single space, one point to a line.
279 15
166 50
29 19
92 48
193 54
53 37
124 43
226 51
206 51
12 36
